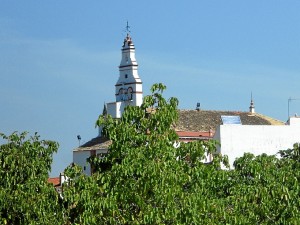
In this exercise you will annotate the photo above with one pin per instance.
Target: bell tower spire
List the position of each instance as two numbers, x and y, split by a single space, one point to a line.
128 89
129 84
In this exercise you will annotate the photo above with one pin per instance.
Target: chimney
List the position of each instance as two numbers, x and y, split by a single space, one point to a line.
62 178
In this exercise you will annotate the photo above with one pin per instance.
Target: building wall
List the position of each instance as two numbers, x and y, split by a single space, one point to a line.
79 158
235 140
115 109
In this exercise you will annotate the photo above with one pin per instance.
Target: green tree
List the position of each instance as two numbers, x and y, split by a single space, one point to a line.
25 195
148 177
144 178
265 189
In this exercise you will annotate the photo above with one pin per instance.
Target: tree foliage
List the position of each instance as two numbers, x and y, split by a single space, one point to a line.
148 177
25 195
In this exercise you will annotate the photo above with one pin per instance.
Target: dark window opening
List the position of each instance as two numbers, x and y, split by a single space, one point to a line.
129 93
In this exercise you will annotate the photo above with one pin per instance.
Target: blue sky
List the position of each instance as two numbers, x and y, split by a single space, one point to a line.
59 59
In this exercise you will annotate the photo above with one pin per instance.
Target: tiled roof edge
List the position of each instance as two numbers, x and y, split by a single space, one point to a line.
273 121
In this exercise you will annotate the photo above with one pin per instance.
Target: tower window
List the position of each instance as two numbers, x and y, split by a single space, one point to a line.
129 93
122 93
126 76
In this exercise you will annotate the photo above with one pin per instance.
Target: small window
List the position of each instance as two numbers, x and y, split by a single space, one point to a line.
126 76
84 168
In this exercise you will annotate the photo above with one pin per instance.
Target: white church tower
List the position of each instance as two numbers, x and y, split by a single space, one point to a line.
128 89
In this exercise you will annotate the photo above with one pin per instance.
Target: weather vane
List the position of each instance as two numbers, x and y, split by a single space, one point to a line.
127 27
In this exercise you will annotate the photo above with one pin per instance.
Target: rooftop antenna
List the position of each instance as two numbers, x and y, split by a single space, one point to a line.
289 100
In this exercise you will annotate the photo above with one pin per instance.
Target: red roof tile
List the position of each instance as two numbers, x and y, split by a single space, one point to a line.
54 180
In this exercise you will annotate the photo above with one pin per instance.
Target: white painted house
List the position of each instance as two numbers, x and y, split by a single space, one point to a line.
236 139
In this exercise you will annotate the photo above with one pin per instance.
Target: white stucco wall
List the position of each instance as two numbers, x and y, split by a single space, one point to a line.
115 109
79 158
235 140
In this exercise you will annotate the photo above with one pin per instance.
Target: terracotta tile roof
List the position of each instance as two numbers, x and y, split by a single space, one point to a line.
205 120
188 136
54 180
193 124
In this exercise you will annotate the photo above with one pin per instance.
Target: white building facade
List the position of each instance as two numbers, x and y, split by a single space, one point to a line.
236 139
80 158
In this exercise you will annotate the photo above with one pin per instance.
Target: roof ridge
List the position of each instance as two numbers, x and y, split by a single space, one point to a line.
212 110
273 121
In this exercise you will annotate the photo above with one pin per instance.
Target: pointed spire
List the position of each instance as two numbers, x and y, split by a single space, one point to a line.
104 112
127 41
252 107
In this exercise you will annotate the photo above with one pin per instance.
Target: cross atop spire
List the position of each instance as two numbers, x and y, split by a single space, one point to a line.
127 28
127 41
